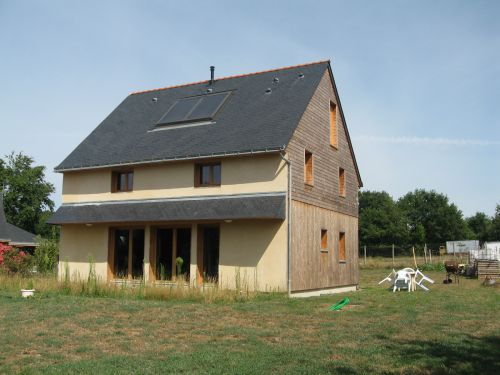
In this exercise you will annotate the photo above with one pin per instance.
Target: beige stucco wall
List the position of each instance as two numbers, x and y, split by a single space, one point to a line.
255 253
77 244
252 174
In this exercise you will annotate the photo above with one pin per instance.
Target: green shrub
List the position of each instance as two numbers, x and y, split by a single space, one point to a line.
46 255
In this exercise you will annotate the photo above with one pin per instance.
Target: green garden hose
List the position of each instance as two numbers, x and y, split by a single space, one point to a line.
339 304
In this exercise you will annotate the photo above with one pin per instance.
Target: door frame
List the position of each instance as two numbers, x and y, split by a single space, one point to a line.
200 251
153 249
111 250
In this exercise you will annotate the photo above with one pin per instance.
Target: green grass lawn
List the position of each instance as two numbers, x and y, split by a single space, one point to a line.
454 329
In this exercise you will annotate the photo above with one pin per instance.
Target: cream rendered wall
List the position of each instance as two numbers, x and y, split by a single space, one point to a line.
252 174
255 252
77 243
256 248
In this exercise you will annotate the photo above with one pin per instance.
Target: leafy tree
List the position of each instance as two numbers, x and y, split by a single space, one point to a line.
380 220
432 218
26 193
494 232
480 224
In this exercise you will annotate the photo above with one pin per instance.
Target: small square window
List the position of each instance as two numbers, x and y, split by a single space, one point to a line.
122 181
324 240
207 175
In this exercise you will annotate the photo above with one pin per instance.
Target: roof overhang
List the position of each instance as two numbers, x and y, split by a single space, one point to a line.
23 244
273 150
9 242
230 207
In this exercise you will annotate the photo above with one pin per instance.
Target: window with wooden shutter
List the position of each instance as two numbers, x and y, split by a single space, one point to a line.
342 247
324 240
333 125
308 168
341 182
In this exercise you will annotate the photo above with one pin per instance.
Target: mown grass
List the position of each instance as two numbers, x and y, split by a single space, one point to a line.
453 329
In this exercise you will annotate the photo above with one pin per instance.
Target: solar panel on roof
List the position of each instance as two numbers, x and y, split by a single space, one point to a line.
179 111
194 109
208 106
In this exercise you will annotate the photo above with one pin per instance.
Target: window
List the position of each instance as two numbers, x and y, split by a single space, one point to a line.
341 182
308 168
126 253
207 174
122 181
171 244
342 247
324 240
333 125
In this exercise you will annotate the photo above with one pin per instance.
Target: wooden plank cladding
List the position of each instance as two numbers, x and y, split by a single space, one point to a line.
314 135
313 268
488 268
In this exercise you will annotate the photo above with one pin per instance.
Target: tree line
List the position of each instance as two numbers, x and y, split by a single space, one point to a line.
420 217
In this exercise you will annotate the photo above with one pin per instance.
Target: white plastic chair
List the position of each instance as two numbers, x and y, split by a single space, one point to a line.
402 281
389 277
420 278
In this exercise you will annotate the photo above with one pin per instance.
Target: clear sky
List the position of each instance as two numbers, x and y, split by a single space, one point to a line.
419 81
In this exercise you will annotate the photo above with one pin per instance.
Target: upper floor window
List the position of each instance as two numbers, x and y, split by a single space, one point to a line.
342 247
341 182
122 181
324 240
333 125
207 174
308 167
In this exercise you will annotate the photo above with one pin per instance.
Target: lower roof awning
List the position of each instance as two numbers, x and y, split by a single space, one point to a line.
252 206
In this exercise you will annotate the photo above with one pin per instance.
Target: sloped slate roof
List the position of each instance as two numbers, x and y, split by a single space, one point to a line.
270 206
250 120
11 233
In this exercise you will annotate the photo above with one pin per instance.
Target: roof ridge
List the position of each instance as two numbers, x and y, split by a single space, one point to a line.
229 77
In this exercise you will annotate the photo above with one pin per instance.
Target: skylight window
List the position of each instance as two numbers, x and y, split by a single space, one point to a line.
194 109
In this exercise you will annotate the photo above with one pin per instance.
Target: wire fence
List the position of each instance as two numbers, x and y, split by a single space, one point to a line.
397 256
395 250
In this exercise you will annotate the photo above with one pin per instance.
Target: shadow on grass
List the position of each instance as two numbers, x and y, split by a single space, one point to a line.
460 355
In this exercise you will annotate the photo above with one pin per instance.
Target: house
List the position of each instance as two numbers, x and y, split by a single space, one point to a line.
10 235
248 179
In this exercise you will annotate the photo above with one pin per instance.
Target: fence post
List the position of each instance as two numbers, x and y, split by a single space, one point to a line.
425 253
392 255
430 256
365 254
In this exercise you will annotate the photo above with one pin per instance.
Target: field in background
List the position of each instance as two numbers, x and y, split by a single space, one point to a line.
452 329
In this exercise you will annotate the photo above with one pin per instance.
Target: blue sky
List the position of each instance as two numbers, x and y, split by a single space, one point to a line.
419 81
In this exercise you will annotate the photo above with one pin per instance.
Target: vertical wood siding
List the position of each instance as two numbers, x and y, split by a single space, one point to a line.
321 206
316 269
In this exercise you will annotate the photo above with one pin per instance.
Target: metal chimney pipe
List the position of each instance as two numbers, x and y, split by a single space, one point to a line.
212 73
